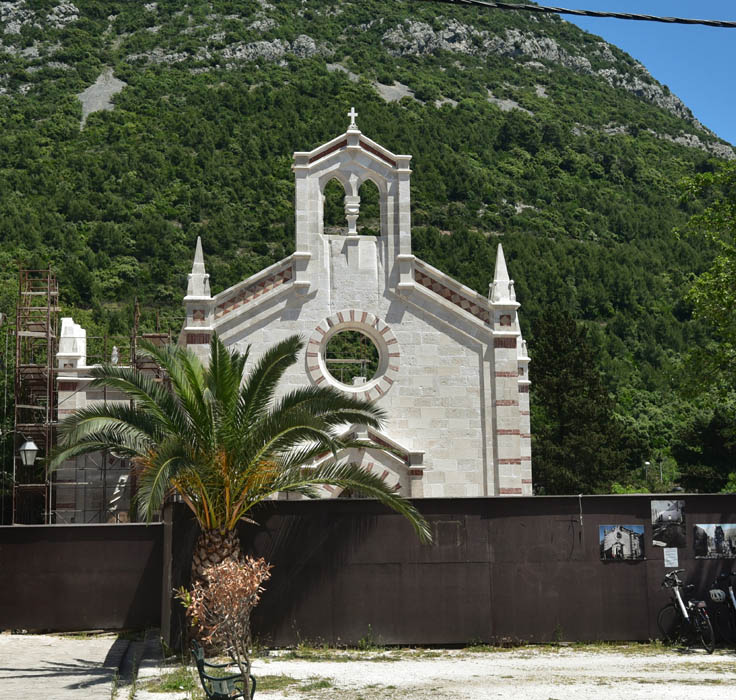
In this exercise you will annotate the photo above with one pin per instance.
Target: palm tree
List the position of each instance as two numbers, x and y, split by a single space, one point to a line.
218 437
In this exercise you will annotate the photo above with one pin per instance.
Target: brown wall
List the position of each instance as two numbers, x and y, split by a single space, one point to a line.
501 568
77 577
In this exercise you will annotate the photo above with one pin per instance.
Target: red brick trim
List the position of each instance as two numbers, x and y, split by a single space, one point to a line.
524 389
198 338
507 402
503 431
505 343
416 472
526 481
376 153
509 461
525 413
253 291
526 459
452 296
375 438
509 491
67 386
526 435
375 328
329 150
507 374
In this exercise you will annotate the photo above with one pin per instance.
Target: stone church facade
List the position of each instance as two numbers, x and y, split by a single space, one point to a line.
452 369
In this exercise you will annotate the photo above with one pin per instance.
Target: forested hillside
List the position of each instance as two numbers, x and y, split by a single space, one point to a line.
523 129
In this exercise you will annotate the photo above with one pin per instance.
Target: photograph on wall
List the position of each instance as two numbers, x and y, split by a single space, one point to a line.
715 541
621 542
668 524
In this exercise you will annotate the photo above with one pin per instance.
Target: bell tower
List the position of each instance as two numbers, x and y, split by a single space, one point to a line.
351 159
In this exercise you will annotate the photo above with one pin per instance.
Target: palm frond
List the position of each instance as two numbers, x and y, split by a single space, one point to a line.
89 419
148 394
223 379
277 435
355 478
327 401
256 394
216 435
115 427
156 470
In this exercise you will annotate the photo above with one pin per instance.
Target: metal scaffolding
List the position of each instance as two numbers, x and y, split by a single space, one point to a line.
36 339
89 488
98 487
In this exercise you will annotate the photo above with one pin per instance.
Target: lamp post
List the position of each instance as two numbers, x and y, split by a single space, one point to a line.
28 452
646 470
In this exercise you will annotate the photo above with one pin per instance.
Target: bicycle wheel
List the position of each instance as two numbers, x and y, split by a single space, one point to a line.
669 623
704 630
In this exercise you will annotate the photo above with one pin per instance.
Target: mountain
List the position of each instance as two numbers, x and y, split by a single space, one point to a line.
129 129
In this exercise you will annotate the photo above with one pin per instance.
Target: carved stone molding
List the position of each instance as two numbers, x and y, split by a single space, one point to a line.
389 353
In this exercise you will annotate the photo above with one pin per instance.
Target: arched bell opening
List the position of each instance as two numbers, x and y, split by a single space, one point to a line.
333 208
369 221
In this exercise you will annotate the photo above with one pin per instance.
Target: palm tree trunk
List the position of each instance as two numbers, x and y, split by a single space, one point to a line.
212 548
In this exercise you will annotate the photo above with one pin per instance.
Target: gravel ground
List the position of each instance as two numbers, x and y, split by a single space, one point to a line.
622 672
55 667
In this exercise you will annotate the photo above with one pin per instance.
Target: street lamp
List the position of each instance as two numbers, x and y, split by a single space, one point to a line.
646 469
28 451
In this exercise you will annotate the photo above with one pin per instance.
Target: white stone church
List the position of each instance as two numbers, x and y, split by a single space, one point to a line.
450 369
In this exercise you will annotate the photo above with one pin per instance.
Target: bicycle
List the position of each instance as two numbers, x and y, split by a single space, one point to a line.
684 621
725 605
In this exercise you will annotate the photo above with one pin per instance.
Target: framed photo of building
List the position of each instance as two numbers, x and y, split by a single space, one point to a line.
621 542
715 541
668 524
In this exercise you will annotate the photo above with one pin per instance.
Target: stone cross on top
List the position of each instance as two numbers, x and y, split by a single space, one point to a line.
352 114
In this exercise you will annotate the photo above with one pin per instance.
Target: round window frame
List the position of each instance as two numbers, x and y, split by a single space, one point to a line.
389 353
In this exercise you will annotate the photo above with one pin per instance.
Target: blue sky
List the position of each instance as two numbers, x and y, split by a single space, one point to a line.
697 63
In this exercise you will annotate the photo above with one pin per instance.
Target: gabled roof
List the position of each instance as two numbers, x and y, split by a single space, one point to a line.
352 139
399 453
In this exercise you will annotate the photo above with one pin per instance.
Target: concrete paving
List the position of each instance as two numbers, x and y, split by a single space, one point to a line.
56 667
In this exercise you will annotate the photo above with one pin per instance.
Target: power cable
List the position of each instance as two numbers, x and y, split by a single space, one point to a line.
540 9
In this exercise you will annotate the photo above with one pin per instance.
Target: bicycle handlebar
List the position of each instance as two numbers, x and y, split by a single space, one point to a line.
671 580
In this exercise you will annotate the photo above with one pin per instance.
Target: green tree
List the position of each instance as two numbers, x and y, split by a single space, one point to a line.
713 294
705 448
579 446
219 438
